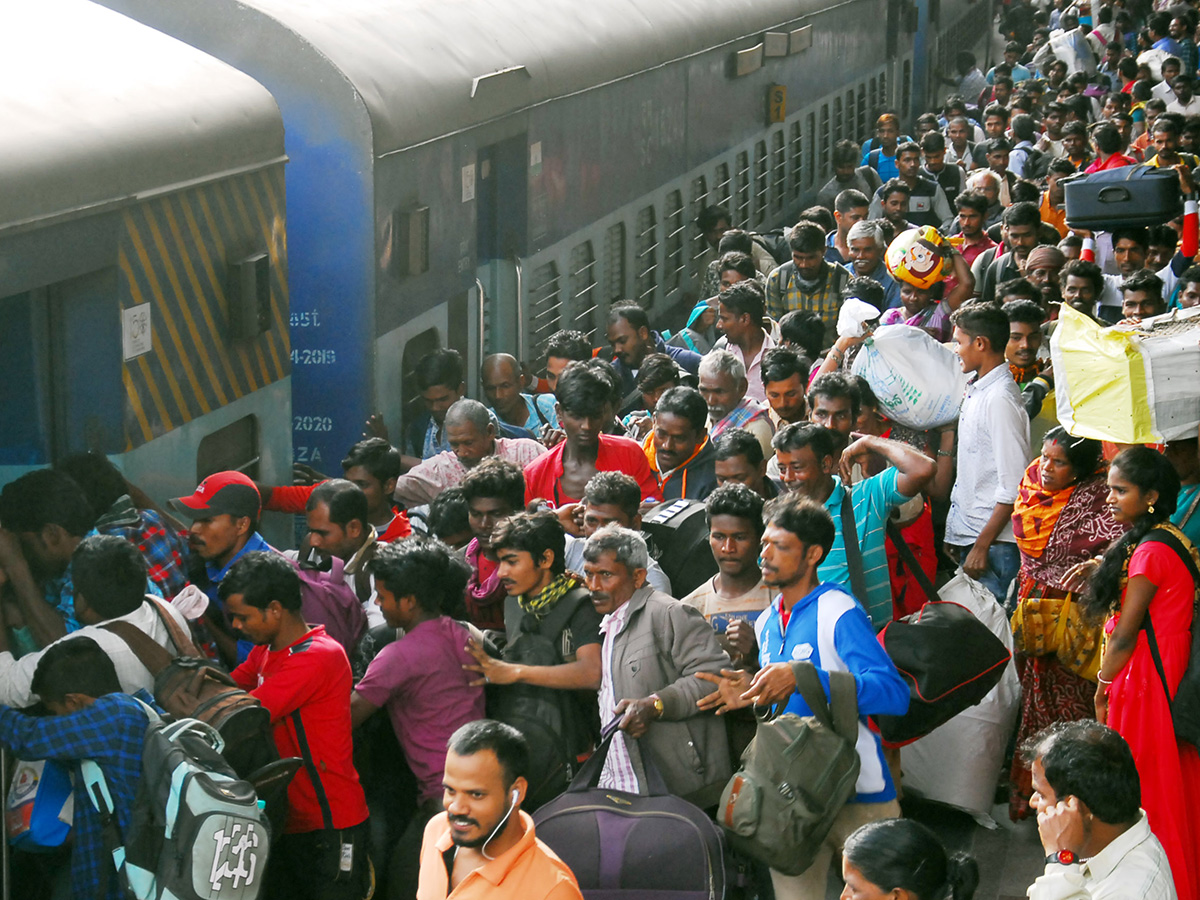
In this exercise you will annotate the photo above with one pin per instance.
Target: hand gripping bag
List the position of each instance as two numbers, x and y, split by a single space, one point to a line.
919 382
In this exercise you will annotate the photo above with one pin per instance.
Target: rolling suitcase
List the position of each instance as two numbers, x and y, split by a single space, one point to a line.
678 533
1120 198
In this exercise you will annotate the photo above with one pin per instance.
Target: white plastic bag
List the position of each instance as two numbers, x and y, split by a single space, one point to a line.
853 314
919 382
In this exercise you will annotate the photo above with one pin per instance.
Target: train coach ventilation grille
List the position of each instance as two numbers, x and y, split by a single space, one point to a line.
722 186
761 183
584 295
673 258
614 263
741 215
175 254
838 115
699 201
646 258
545 304
860 132
797 143
778 171
823 170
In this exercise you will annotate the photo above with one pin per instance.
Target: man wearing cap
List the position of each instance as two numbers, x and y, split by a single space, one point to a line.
1041 270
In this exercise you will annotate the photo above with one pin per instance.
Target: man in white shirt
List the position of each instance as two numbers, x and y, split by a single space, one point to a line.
1097 839
1186 103
110 586
993 452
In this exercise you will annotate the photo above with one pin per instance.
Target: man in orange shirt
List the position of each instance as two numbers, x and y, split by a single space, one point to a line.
483 845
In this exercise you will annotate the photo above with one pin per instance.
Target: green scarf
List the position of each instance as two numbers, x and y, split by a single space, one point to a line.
550 595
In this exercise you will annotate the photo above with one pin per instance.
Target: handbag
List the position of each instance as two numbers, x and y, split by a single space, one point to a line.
1045 626
795 777
40 806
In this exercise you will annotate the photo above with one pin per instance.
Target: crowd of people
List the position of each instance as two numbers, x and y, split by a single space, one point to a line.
488 580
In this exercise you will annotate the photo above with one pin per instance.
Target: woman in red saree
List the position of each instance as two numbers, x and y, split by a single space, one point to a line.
1060 520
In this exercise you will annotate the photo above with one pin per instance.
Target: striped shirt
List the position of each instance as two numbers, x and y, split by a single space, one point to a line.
871 499
618 773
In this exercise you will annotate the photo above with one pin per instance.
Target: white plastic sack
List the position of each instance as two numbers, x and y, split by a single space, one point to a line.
853 314
959 764
919 382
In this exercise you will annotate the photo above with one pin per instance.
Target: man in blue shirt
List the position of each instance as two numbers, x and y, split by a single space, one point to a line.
632 341
819 623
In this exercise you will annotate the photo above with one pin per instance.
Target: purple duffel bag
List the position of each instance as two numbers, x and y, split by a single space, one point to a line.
653 846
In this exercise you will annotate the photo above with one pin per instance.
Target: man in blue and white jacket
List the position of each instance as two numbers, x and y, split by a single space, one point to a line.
823 624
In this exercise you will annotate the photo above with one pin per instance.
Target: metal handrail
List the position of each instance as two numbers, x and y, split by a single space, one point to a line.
520 309
482 300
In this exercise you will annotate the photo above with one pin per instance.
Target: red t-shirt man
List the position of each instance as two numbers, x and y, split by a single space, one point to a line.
293 498
543 476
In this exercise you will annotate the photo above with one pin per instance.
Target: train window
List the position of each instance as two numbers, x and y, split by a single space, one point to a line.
584 296
614 262
646 258
699 201
721 186
778 170
824 166
545 304
797 160
233 447
673 257
837 119
24 438
741 212
860 133
884 99
850 130
906 88
810 153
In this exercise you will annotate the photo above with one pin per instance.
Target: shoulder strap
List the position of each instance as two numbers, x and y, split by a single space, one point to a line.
183 642
854 560
310 766
842 713
149 654
1187 516
1164 536
873 157
556 620
906 554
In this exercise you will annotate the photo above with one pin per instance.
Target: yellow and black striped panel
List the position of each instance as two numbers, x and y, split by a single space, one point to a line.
175 255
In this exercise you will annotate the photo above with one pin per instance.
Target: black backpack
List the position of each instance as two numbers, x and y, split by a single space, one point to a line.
1037 164
1185 705
776 243
555 722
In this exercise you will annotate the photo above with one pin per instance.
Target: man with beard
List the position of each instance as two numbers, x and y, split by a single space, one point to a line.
809 281
867 246
678 447
1042 270
484 827
1021 225
1032 373
632 341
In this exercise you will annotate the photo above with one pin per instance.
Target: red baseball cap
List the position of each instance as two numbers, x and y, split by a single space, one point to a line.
223 493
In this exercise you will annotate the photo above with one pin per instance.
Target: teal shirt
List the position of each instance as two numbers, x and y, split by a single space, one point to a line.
872 500
1187 495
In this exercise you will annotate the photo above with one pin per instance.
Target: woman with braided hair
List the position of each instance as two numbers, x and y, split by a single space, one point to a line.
1145 587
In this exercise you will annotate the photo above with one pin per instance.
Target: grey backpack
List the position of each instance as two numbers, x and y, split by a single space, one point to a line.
198 831
796 776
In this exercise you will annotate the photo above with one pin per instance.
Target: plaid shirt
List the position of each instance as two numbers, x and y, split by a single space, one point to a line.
60 592
161 546
744 413
785 292
111 732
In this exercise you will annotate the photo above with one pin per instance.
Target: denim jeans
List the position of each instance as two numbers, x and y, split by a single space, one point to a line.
1004 561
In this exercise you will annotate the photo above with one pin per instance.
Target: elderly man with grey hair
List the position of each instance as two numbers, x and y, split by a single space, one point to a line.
471 433
723 386
867 246
653 646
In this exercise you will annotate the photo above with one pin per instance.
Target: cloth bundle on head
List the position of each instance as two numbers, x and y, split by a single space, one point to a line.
1045 256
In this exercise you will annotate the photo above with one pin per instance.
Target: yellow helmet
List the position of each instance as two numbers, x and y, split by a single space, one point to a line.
915 256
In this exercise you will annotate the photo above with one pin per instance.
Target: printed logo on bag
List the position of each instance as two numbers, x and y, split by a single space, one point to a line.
235 861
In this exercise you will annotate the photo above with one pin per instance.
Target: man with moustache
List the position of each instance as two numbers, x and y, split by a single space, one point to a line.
484 844
653 648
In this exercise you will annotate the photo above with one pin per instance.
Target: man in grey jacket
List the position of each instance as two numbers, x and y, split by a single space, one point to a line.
653 647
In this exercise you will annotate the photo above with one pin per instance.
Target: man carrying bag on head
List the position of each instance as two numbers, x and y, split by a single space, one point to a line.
822 625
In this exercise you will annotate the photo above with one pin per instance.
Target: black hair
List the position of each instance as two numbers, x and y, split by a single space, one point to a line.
846 153
1024 213
1017 287
1147 470
1107 137
894 186
1023 127
806 237
582 391
1025 191
738 442
1135 233
1116 98
1162 236
997 145
781 363
868 290
735 500
566 344
448 513
908 147
496 479
866 396
982 320
604 369
345 499
631 313
656 370
110 573
735 239
75 666
45 497
851 198
1082 268
1027 312
1092 763
902 853
798 435
1191 275
819 216
1143 280
1073 127
972 200
687 403
737 261
996 110
423 568
808 520
745 298
508 745
709 217
533 533
1060 166
441 367
836 385
377 456
933 142
1000 78
1082 453
1159 23
262 576
614 489
804 328
100 480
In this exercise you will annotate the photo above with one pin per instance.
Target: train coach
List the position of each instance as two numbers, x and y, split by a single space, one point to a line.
143 288
481 173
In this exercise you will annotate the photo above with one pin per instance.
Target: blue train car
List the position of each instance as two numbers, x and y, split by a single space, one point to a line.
481 173
143 288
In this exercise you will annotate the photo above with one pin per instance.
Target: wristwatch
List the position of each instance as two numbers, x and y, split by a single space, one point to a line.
1062 857
659 706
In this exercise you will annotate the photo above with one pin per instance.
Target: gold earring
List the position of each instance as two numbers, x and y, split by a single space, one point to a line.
1151 509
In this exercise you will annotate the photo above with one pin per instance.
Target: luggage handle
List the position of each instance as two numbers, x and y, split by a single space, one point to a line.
1114 193
589 773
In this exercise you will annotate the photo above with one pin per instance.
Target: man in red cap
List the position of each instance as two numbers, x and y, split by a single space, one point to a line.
224 510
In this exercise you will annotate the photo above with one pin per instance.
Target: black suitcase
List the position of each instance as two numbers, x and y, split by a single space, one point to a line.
621 845
1122 198
678 539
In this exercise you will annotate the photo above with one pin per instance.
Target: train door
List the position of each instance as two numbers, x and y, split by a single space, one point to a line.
501 185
